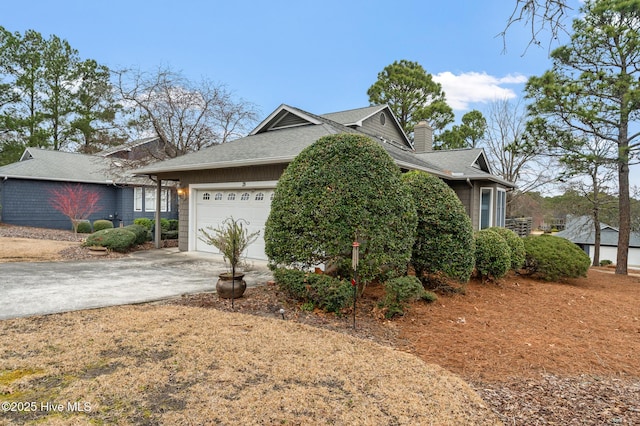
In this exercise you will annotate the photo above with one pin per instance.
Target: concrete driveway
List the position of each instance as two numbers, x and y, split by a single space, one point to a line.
38 288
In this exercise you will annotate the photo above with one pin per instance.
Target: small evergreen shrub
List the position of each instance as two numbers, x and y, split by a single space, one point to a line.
84 227
140 231
516 246
173 224
605 262
170 235
553 258
143 221
323 291
398 292
493 255
117 239
101 224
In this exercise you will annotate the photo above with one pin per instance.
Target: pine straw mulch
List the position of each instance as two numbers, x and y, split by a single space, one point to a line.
538 353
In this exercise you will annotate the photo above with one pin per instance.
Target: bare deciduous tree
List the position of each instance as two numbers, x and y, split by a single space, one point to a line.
541 16
185 116
516 156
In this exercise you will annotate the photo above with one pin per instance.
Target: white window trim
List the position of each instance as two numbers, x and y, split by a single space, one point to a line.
165 202
491 202
503 219
137 199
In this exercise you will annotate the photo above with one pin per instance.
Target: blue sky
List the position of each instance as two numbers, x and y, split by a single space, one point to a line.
319 56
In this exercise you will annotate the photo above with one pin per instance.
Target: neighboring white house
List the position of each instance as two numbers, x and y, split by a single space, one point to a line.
580 230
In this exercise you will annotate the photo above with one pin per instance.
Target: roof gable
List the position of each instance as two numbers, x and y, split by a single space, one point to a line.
284 117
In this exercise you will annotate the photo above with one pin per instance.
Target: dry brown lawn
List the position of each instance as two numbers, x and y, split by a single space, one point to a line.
185 365
24 249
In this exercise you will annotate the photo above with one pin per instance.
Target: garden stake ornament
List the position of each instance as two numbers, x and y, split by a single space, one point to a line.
355 254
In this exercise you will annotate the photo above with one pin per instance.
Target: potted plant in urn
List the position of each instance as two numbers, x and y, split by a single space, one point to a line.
232 238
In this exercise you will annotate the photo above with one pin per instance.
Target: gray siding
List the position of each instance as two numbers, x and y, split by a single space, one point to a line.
389 131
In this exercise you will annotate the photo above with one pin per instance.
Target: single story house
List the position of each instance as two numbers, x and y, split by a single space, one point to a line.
580 230
238 178
26 186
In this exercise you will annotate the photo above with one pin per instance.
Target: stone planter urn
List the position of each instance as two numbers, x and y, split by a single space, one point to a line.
228 288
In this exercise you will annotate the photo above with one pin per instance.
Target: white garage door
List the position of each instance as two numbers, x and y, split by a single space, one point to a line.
213 206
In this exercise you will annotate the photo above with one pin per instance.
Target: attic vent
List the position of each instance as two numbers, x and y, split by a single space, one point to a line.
289 120
383 118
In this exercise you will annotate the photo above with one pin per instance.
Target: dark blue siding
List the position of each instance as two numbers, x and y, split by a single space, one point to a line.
27 203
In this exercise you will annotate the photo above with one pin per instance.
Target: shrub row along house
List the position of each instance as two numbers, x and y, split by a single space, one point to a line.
26 187
238 178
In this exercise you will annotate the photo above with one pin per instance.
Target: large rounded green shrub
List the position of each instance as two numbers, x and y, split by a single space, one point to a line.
117 239
444 235
516 245
341 188
553 258
493 255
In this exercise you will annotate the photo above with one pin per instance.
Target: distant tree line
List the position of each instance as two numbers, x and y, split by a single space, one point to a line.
51 97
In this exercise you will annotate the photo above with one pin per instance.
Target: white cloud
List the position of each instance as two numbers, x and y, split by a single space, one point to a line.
470 87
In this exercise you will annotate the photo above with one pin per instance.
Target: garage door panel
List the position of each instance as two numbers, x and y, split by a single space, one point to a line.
214 206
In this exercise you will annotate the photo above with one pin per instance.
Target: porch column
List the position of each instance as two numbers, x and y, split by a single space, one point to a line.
158 230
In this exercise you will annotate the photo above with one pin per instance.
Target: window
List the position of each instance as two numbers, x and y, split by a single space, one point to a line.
231 196
259 196
486 207
206 196
272 194
501 207
218 196
150 200
137 199
245 196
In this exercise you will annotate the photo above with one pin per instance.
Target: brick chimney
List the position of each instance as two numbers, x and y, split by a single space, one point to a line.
422 137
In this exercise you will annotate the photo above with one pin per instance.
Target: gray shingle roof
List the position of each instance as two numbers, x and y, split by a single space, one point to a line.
353 116
580 230
284 144
45 164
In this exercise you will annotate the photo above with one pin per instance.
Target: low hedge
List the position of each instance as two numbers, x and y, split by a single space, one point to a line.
553 258
143 221
101 224
324 291
116 239
142 235
516 246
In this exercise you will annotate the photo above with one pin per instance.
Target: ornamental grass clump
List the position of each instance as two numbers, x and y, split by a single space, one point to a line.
232 238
